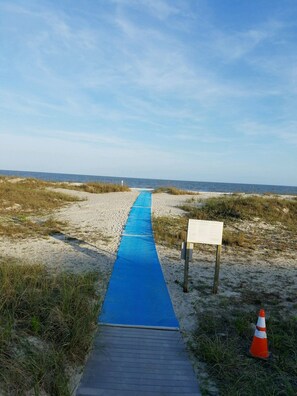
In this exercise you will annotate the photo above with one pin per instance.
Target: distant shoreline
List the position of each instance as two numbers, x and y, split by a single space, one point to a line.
142 183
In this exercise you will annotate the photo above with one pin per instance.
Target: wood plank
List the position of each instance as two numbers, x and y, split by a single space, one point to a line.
154 388
134 336
151 367
155 342
150 375
121 382
137 332
127 361
160 354
110 392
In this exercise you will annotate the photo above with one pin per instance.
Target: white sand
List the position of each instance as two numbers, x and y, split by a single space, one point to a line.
167 205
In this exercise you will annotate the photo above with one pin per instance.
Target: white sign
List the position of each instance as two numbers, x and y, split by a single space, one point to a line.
204 231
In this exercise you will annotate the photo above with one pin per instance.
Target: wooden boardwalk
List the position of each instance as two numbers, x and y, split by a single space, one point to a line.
138 362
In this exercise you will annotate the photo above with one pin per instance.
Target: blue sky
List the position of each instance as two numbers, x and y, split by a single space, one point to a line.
192 89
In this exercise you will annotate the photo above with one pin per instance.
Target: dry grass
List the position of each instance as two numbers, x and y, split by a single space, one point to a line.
173 191
29 196
95 188
46 324
26 206
23 227
170 231
249 222
92 187
235 208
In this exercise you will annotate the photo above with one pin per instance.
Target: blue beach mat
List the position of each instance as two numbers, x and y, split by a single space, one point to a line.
137 294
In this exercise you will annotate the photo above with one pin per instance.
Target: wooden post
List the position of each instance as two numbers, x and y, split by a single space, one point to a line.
217 270
186 272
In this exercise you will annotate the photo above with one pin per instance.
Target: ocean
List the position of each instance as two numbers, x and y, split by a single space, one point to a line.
155 183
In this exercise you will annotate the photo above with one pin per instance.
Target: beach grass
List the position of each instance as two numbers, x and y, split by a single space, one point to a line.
94 187
21 226
173 191
249 221
222 341
26 208
91 187
273 210
29 196
47 322
27 205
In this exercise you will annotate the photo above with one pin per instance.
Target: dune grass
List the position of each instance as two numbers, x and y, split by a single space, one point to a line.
21 226
30 196
223 339
25 202
232 208
173 191
26 206
236 211
46 325
94 187
91 187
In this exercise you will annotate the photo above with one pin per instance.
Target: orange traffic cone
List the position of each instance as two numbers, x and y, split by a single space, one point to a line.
259 348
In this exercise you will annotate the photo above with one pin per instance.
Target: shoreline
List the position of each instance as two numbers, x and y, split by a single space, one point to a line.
132 182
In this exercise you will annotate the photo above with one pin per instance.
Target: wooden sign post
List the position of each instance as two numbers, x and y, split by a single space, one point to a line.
217 270
206 232
187 255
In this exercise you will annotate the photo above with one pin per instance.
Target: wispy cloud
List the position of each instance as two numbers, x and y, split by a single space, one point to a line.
236 45
283 131
157 8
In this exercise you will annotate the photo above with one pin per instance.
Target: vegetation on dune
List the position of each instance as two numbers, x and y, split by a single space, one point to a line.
47 323
169 230
235 208
236 211
173 191
95 188
21 226
222 341
23 205
25 202
29 196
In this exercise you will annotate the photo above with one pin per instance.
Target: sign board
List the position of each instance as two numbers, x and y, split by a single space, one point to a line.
204 231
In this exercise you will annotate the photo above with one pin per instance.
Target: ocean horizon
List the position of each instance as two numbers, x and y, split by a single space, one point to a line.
133 182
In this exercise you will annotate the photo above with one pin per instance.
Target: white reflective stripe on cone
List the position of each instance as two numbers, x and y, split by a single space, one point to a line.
260 334
261 322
